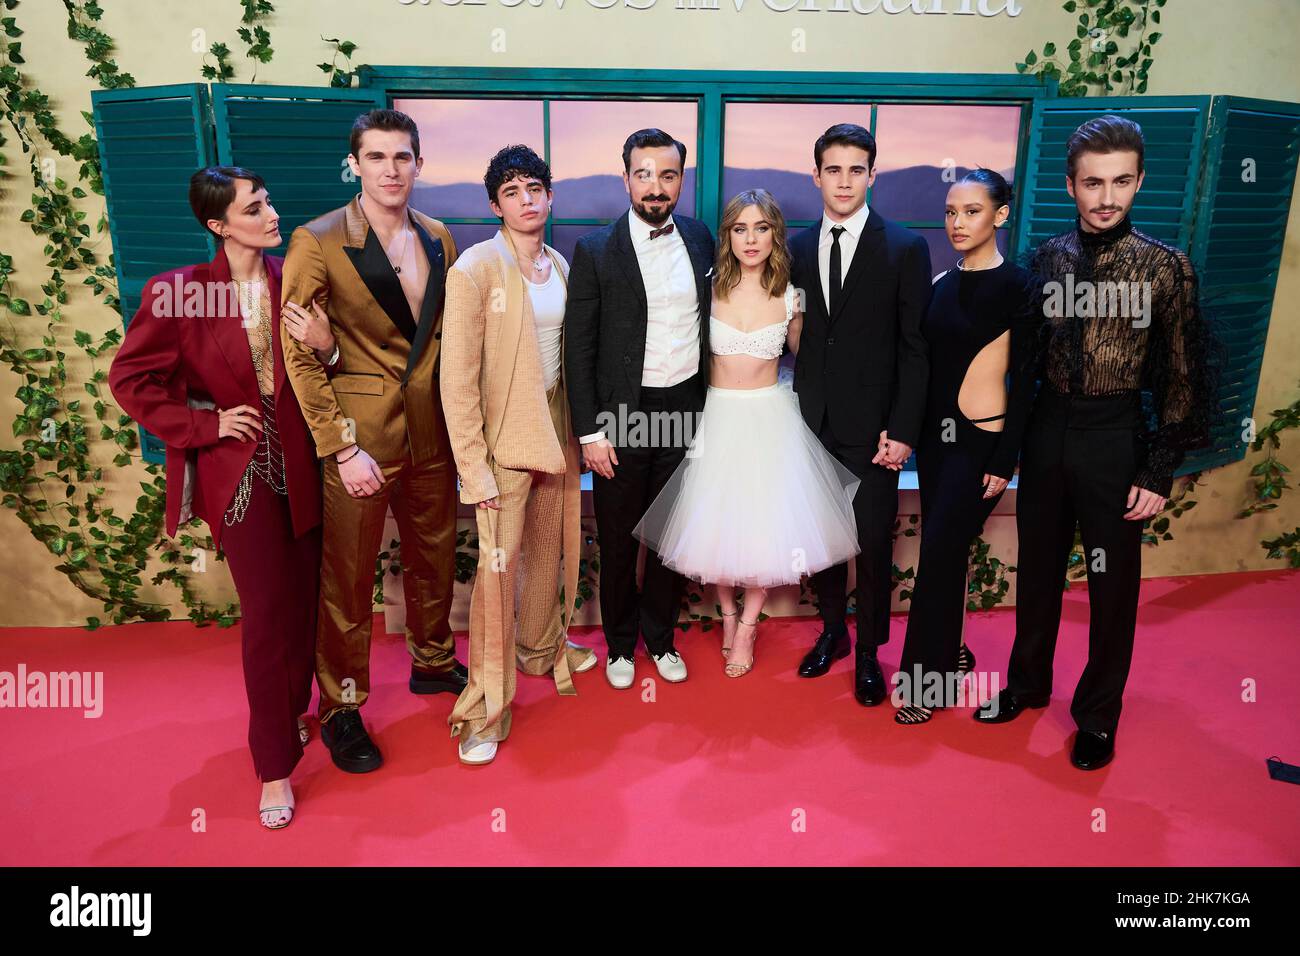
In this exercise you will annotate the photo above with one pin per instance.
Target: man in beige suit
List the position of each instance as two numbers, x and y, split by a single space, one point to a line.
377 269
507 415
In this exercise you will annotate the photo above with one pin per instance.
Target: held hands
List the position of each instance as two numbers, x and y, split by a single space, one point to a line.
891 454
993 486
1143 504
243 422
360 475
600 457
312 328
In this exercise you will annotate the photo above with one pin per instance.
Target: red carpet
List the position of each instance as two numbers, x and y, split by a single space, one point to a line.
713 771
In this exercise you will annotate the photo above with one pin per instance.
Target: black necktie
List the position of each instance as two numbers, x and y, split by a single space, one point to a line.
836 232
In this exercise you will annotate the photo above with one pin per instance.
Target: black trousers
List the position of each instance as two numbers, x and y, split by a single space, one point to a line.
620 502
1078 461
875 507
953 512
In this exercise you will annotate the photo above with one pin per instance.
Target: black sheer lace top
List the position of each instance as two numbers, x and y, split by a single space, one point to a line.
1123 314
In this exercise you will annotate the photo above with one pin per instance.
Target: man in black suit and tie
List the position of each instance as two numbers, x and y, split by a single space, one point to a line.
636 347
861 375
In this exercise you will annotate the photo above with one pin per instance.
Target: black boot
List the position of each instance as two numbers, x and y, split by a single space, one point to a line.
452 679
350 746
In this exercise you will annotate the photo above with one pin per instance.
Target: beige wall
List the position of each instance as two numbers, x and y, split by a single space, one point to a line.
1245 48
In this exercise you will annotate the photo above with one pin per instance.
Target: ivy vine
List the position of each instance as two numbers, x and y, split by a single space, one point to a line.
1103 66
1270 482
50 481
339 77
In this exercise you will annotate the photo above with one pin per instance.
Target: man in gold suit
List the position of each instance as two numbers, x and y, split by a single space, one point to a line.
377 269
508 417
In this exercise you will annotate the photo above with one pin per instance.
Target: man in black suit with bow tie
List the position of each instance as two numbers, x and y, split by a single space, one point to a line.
861 376
636 345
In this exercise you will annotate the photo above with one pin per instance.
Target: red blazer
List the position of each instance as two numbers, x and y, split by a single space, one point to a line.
174 356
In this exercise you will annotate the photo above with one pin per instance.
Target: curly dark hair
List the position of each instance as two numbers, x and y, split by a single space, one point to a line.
515 162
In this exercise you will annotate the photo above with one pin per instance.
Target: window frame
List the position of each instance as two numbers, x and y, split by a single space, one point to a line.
712 90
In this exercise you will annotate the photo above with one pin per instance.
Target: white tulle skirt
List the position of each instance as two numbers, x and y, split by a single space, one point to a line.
757 502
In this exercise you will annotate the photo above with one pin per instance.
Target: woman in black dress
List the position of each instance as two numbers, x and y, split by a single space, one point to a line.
982 327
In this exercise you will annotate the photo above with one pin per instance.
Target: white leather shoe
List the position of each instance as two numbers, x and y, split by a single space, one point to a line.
620 672
479 753
671 666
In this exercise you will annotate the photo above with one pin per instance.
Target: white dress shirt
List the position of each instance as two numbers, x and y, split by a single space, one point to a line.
672 338
853 227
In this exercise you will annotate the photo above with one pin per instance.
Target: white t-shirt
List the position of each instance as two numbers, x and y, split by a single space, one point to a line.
548 317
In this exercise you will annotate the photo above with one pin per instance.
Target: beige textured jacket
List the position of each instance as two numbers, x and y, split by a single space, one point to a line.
491 361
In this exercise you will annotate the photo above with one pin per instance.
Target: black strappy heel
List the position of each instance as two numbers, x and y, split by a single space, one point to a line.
965 660
912 715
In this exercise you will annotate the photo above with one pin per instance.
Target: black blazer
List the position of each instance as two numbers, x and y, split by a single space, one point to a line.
605 321
867 365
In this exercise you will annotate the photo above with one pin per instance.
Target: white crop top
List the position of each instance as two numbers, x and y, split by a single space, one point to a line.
765 342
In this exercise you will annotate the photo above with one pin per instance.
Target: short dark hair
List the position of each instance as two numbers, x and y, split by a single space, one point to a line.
650 137
212 190
846 134
994 183
393 120
1105 134
514 162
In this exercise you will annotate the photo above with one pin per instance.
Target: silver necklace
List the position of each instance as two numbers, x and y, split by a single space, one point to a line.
406 242
961 265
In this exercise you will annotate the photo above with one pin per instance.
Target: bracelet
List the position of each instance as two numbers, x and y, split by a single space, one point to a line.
349 458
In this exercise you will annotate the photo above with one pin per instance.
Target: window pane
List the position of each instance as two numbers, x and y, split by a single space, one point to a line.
587 139
915 145
564 238
466 234
457 139
770 145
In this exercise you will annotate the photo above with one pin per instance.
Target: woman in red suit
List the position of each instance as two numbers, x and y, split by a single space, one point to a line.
201 367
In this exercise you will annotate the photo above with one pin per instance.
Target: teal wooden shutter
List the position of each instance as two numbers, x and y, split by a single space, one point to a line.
296 138
151 140
1174 130
1237 248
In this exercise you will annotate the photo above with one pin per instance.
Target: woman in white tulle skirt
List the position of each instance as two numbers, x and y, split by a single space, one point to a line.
757 502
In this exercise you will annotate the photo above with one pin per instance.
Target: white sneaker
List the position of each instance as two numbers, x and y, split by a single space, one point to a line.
671 666
620 672
586 665
479 753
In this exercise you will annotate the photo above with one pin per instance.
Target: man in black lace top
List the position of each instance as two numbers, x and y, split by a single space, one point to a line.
1121 318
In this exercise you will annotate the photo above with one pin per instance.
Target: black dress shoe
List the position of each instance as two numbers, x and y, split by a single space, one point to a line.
868 681
830 647
1092 749
1007 706
350 746
452 679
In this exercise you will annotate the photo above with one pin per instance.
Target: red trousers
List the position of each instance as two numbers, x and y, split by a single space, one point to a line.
277 577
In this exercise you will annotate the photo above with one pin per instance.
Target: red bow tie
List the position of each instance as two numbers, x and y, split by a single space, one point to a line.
656 233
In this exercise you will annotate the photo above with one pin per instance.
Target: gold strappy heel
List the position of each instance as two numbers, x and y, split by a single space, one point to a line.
726 648
742 669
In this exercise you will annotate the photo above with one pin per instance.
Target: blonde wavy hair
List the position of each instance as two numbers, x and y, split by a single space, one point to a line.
776 271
